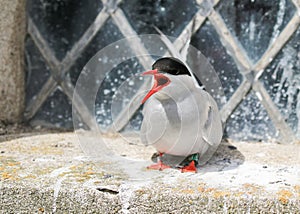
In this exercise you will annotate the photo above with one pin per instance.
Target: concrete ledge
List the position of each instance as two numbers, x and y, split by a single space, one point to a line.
12 36
49 173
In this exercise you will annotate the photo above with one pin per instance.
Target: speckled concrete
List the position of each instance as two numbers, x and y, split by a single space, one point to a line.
12 35
49 173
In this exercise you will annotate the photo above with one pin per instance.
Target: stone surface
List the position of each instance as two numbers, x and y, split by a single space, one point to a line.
12 35
48 172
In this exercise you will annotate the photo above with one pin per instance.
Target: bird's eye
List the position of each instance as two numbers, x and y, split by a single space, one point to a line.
162 80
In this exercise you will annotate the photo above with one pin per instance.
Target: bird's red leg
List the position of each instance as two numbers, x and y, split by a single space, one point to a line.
159 165
190 168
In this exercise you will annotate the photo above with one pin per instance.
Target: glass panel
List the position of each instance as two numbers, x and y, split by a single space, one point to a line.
282 80
256 23
108 34
37 71
170 16
124 73
207 41
250 121
55 112
62 23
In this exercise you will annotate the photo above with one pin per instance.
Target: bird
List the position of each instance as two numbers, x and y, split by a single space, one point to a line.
180 119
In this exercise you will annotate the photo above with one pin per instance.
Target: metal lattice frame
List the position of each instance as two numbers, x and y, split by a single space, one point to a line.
250 72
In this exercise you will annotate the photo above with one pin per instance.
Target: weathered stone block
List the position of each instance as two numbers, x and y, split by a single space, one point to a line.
12 34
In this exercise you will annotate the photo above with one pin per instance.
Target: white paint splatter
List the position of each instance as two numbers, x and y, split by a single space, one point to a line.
56 188
279 20
125 193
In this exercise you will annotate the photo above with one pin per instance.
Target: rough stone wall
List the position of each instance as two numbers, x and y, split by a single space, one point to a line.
12 35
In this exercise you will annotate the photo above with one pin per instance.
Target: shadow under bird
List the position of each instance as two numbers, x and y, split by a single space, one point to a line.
181 120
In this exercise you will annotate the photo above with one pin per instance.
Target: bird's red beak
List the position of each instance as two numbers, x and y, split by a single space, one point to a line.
160 81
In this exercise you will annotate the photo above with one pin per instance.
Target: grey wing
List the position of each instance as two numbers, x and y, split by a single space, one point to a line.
212 131
154 122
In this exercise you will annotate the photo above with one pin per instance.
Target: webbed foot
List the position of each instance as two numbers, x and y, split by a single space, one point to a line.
189 168
158 166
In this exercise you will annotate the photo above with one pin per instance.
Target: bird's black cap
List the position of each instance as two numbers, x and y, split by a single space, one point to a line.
171 65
